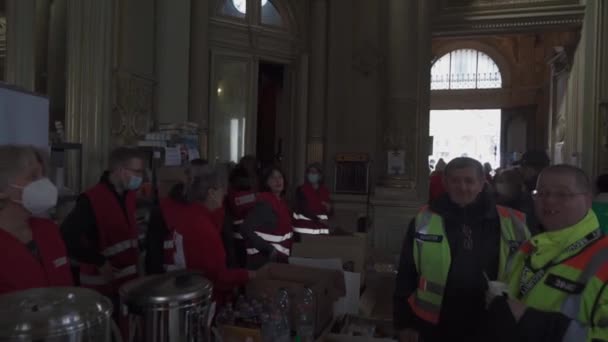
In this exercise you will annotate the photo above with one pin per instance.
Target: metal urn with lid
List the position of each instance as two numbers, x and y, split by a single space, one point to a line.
56 314
171 307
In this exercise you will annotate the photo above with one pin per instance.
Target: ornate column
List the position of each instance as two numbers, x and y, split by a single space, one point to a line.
199 70
172 59
21 43
318 83
88 100
404 157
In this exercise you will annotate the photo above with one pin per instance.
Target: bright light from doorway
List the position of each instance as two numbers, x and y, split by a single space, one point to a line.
470 133
237 139
241 5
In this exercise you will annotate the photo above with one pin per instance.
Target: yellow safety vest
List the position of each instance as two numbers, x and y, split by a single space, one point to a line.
433 259
573 283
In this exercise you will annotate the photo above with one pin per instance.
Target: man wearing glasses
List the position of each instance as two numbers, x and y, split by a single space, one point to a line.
100 233
557 283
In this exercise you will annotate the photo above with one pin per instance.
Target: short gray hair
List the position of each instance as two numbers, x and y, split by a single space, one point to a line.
16 159
203 179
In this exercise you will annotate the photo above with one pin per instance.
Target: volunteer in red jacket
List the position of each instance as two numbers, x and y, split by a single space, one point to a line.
313 205
191 239
32 253
240 201
100 232
268 228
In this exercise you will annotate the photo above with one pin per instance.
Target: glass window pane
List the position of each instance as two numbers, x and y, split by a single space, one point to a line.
440 73
230 99
465 69
270 14
235 8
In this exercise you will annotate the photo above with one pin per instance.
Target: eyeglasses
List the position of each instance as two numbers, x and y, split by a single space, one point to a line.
558 195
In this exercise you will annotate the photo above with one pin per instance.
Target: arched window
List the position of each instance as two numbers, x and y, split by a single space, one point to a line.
270 13
465 69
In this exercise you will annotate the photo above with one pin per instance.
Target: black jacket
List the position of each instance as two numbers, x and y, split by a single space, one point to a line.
525 204
463 315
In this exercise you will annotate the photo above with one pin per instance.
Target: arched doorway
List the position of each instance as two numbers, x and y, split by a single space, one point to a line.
465 129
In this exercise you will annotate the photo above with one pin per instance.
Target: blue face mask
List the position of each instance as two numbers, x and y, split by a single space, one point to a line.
313 178
135 182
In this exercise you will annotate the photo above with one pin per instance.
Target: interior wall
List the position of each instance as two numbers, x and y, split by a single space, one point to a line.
355 86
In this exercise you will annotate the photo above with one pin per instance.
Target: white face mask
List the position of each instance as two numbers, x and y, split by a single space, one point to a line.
39 196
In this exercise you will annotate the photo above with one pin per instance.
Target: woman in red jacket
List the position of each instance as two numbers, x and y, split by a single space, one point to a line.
313 205
268 229
32 253
190 238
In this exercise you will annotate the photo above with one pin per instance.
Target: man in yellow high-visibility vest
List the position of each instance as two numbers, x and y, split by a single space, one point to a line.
450 244
557 280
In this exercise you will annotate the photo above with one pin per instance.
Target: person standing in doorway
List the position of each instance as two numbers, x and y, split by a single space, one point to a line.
531 164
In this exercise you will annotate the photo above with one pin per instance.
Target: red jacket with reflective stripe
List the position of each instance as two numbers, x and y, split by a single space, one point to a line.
20 269
303 222
240 203
284 225
117 238
198 242
315 198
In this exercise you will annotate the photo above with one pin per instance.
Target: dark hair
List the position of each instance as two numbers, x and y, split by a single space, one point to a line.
602 183
581 178
266 173
120 156
239 178
463 163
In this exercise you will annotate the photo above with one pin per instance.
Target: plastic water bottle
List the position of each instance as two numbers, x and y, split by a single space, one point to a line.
282 330
305 325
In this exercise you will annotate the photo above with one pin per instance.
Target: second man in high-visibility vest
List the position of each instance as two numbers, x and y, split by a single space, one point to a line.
450 247
557 283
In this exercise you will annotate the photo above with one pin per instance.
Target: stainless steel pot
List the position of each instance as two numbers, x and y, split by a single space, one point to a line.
171 307
57 314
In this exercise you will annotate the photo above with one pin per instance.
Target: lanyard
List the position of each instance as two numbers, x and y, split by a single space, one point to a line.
579 245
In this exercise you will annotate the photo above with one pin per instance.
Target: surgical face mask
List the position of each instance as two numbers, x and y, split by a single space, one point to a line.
313 178
134 182
39 196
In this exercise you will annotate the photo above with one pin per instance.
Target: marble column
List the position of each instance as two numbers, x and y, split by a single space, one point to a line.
21 43
172 59
199 70
318 83
89 70
407 94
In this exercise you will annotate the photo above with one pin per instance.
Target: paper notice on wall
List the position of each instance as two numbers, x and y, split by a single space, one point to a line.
396 162
193 154
172 156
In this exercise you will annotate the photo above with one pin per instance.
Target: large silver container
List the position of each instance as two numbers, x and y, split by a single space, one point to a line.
171 307
58 314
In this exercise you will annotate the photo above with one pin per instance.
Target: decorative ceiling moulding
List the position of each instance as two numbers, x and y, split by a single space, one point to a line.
468 5
519 16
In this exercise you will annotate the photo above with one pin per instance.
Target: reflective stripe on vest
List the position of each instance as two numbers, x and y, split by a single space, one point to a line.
433 260
98 280
279 248
119 248
274 238
302 217
311 231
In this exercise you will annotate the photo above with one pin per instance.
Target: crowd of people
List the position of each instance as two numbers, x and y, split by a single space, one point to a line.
225 222
518 256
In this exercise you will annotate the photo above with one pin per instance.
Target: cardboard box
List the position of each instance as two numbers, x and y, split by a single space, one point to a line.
239 334
351 328
327 286
351 249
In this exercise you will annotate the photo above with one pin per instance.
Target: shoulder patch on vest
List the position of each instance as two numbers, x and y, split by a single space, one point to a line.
429 237
563 284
